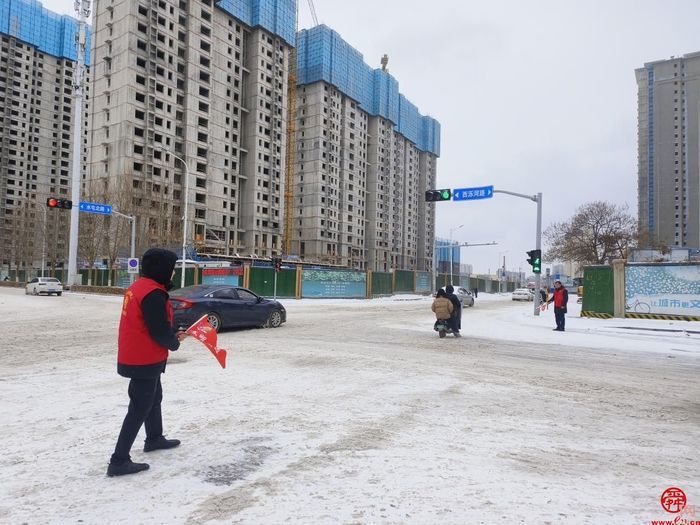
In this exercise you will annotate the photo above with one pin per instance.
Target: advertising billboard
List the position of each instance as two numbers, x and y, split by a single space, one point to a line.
662 289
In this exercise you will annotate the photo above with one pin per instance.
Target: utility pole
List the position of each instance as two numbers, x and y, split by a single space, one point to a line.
82 8
538 238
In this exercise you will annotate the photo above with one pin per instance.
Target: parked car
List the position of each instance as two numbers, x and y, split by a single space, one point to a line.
464 295
225 307
47 285
523 294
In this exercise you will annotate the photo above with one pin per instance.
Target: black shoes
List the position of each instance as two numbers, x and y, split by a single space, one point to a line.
160 444
123 469
557 330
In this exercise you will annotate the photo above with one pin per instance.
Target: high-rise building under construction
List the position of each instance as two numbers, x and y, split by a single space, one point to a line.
364 157
37 66
190 96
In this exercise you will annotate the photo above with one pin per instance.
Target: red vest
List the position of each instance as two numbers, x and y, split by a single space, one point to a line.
136 347
559 297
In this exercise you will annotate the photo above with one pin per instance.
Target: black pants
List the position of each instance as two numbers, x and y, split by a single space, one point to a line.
456 321
145 396
559 317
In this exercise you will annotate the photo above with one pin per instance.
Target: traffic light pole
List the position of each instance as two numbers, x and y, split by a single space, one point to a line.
83 11
538 239
538 276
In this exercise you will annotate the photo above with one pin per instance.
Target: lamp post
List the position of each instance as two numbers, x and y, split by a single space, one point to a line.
43 246
452 251
503 269
184 217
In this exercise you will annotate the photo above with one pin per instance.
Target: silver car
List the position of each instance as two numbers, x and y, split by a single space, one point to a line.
464 295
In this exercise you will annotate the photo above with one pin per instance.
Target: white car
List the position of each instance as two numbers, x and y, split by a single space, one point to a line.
523 294
47 285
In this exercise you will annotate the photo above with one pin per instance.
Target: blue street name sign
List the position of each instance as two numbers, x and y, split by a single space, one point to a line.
470 194
91 207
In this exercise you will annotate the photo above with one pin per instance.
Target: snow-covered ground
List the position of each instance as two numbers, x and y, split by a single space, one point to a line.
355 412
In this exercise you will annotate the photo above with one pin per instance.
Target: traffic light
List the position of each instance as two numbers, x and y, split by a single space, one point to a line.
438 195
277 264
535 260
63 204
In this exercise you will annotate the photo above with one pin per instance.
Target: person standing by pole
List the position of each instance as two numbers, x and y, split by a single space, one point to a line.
560 298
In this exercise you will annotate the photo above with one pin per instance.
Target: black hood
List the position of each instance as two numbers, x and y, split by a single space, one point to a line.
158 264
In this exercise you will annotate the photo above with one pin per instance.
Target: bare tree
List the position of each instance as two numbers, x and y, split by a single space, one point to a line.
598 232
23 237
119 193
164 228
92 232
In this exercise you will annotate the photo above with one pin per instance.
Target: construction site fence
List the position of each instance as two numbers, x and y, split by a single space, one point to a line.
295 282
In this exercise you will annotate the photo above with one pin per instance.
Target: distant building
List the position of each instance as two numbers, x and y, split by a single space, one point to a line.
669 151
446 256
37 60
364 158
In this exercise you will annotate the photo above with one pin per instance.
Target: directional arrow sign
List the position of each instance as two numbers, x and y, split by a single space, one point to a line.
470 194
100 209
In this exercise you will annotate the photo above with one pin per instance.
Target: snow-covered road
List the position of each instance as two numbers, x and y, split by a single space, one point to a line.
355 412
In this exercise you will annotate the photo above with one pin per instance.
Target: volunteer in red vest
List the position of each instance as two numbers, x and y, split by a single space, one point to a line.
560 297
146 336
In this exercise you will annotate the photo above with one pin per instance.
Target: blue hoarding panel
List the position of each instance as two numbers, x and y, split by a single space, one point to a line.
276 16
51 33
333 284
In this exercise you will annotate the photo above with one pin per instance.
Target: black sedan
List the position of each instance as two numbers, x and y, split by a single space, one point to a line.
225 307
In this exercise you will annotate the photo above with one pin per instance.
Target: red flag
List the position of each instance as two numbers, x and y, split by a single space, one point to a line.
204 332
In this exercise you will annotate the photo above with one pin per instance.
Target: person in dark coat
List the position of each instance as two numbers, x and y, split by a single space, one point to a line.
543 295
146 337
456 319
475 292
560 298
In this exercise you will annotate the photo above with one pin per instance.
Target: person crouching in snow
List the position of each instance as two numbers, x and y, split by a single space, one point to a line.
146 337
443 308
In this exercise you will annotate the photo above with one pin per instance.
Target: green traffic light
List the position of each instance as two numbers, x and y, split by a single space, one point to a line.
445 195
537 266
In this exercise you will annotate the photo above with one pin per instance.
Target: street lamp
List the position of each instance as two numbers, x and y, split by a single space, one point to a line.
452 250
184 217
503 269
43 245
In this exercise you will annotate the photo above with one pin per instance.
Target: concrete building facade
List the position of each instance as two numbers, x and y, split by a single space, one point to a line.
37 64
669 151
363 161
193 87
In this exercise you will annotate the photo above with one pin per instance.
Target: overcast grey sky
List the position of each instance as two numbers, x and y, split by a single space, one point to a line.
532 96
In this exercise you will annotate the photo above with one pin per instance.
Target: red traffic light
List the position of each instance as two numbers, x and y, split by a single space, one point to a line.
65 204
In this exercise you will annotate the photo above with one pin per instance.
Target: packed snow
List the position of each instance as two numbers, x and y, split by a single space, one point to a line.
354 411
